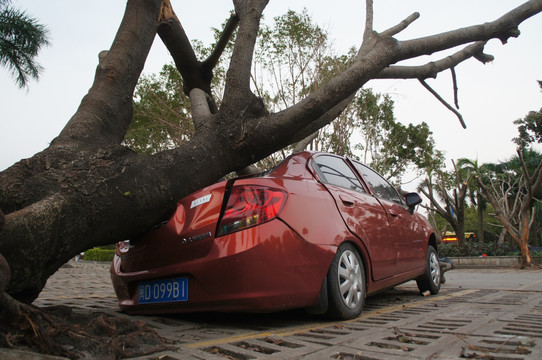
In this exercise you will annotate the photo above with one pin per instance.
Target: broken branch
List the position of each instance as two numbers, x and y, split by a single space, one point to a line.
448 106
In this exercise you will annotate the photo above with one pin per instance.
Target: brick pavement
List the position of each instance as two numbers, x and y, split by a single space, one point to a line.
397 324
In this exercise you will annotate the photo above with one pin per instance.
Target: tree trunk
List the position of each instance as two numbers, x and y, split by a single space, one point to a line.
523 240
459 228
502 236
526 257
480 210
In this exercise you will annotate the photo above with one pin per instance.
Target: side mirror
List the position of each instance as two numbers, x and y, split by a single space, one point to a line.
412 199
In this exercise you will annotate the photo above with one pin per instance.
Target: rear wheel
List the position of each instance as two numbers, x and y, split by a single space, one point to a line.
346 284
430 281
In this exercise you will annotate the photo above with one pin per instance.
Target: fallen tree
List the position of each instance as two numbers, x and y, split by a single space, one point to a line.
87 190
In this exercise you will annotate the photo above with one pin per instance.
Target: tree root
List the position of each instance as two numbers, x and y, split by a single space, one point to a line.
60 331
530 266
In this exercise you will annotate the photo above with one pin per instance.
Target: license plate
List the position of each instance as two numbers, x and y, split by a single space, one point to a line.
161 291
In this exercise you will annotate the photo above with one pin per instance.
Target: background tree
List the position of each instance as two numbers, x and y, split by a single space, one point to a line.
407 147
162 117
337 136
529 128
291 58
493 227
87 189
512 193
288 58
471 167
450 205
21 38
514 189
385 144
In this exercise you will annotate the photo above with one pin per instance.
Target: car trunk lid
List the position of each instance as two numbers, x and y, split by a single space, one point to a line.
188 234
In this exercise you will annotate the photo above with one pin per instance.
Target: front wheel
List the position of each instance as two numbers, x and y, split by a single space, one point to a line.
430 280
346 284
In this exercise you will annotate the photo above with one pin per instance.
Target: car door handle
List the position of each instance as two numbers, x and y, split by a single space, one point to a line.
346 200
393 213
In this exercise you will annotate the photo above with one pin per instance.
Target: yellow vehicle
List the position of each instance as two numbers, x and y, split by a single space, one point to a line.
449 237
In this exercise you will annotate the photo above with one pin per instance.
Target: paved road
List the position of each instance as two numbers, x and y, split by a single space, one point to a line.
482 313
496 279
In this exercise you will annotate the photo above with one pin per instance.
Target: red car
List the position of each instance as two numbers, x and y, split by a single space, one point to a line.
318 231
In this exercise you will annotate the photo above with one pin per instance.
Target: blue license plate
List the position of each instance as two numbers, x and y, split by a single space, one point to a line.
161 291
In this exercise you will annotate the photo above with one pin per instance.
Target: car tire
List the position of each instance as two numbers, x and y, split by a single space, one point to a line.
431 279
346 284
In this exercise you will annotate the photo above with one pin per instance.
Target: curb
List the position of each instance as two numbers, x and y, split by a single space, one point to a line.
491 261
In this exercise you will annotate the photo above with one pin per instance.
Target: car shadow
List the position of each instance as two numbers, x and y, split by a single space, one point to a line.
283 319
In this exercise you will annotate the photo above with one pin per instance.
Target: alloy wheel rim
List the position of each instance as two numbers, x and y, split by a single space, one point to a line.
350 279
435 269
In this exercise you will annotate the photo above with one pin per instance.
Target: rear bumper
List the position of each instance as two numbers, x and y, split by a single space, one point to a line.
265 268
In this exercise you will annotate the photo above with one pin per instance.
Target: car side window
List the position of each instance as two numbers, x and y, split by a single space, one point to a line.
380 186
333 170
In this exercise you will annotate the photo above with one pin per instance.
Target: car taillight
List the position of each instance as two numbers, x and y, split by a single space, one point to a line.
250 205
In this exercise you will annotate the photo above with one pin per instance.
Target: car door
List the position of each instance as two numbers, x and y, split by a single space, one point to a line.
406 236
361 211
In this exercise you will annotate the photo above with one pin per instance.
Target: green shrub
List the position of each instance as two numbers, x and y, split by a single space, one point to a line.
98 254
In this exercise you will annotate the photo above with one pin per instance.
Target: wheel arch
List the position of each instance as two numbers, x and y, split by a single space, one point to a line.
363 253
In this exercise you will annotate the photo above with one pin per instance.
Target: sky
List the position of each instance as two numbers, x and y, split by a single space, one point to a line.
491 96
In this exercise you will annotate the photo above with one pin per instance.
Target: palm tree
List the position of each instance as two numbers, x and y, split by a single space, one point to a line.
21 37
471 167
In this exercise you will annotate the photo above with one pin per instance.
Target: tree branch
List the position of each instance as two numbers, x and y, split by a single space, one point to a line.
536 178
503 28
196 74
382 52
319 122
401 26
430 196
200 107
106 111
369 17
174 38
499 211
525 175
237 93
448 200
222 43
301 145
448 106
431 69
454 82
